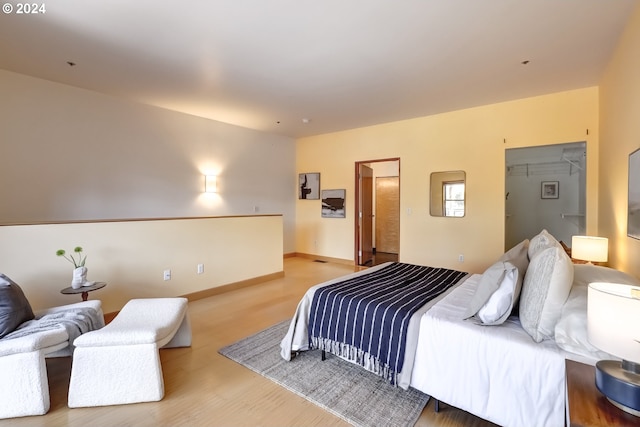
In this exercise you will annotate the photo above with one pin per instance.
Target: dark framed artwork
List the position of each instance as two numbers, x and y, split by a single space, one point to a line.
549 190
333 203
309 186
633 212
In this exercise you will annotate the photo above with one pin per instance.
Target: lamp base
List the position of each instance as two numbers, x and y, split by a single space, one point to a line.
620 383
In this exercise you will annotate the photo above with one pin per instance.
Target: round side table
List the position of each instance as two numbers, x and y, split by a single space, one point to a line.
84 290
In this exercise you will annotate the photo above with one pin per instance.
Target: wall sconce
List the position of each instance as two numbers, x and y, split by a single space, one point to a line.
591 249
210 184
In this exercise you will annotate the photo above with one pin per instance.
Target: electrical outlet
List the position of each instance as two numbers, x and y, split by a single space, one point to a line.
167 275
200 268
460 258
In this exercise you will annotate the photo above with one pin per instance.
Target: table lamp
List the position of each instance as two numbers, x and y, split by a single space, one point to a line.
588 248
613 325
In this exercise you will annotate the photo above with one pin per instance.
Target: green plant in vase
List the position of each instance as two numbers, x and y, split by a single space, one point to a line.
80 271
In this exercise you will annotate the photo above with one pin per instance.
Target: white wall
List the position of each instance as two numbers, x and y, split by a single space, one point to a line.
472 140
131 256
73 154
619 112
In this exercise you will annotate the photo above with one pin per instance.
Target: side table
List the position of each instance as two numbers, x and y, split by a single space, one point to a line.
84 290
586 406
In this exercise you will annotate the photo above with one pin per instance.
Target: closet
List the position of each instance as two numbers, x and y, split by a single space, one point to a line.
545 187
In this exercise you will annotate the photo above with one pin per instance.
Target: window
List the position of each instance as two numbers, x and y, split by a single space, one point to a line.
453 201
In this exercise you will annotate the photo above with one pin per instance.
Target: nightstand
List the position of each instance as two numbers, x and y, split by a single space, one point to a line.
586 406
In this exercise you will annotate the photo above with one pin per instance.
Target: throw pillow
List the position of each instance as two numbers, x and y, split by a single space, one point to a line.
546 287
14 306
501 301
540 242
499 288
519 251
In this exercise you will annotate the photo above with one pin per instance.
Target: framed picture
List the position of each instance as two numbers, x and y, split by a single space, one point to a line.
333 203
309 186
633 213
549 189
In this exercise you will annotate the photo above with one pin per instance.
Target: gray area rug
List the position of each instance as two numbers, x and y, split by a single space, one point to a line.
342 388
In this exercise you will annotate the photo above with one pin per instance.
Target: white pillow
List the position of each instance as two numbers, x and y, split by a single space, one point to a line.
571 330
546 287
501 301
499 287
541 241
589 273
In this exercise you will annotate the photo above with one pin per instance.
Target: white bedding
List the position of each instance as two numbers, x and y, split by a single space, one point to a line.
495 372
297 337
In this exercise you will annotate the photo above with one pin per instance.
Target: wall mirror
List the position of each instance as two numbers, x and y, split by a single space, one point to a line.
448 194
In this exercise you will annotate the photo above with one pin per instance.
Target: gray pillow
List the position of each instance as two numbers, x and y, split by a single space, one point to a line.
499 288
546 287
14 306
519 251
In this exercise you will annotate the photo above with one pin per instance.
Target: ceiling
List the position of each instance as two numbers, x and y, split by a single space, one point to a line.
273 65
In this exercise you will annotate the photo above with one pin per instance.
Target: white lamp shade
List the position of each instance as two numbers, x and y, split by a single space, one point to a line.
613 319
210 184
589 248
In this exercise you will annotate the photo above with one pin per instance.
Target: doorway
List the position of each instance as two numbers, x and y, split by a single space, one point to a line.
545 188
377 210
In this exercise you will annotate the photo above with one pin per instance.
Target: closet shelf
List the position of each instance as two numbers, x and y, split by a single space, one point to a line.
570 215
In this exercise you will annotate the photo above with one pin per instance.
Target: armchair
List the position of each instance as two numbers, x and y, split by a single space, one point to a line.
24 388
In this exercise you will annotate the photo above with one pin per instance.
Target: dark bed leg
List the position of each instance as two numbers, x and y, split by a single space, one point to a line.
437 407
324 355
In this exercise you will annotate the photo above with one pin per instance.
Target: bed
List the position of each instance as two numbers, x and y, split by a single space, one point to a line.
497 354
298 337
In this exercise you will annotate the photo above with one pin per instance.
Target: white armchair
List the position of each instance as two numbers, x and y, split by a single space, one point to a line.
24 388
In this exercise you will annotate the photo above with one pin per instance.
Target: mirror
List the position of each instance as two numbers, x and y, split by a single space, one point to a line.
448 194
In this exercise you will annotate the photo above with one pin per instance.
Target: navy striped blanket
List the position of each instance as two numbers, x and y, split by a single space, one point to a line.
365 319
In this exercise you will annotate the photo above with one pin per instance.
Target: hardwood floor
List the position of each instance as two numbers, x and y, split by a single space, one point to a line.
204 388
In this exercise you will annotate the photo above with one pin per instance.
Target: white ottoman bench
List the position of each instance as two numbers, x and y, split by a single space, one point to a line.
120 363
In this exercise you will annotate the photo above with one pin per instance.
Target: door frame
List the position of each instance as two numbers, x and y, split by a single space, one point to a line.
357 201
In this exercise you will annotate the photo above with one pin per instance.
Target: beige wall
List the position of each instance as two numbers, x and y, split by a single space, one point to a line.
132 255
73 154
472 140
620 135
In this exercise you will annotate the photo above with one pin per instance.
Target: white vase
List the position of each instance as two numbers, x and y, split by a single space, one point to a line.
79 277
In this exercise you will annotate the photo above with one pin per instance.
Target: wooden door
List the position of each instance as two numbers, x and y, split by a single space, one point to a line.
365 254
388 214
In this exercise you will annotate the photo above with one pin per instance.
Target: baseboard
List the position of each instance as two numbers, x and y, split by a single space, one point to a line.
325 258
233 286
108 317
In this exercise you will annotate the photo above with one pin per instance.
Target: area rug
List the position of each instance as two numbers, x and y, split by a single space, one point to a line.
342 388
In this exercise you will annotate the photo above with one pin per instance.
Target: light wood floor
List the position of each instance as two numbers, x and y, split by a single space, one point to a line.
204 388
